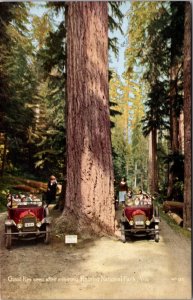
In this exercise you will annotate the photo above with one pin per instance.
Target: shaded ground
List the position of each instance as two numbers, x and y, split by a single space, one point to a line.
98 269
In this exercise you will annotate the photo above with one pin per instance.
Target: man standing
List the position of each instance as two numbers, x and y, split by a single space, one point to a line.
51 190
123 188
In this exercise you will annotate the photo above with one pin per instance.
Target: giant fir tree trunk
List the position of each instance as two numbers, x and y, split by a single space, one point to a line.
187 216
89 191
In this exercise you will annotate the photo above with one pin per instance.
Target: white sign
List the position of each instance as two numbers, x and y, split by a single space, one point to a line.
71 239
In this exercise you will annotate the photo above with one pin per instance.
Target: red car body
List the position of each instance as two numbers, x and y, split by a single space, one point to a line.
140 220
27 221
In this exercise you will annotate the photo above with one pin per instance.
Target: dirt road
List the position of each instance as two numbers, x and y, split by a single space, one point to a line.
98 269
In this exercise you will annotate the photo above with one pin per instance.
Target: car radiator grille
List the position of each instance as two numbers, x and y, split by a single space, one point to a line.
29 224
139 221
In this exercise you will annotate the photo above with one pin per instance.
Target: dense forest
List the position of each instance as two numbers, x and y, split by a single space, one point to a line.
65 112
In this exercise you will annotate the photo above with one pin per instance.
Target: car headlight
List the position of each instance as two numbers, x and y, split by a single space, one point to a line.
38 224
19 225
131 222
147 222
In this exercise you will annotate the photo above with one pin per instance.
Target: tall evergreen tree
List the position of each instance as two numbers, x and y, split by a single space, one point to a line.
175 95
156 47
89 193
18 81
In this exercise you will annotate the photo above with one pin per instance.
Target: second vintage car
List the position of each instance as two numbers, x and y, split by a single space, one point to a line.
140 217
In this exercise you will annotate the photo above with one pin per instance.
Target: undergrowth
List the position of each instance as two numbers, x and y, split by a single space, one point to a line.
170 221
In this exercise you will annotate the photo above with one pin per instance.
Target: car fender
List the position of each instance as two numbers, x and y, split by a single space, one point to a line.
9 223
47 220
156 219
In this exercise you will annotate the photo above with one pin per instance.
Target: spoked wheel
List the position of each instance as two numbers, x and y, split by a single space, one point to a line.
47 235
156 212
156 238
8 238
123 237
46 211
116 205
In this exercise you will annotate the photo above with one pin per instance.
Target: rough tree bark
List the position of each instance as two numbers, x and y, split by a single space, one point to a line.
89 191
153 170
187 216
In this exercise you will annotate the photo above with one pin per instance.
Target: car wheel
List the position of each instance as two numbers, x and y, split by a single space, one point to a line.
46 211
156 237
47 235
123 237
116 205
8 238
156 212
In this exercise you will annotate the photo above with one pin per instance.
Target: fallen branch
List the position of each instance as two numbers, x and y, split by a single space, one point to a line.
33 183
25 188
173 206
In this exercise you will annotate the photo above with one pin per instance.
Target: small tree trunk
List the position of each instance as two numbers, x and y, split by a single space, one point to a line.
187 216
154 161
153 171
150 171
174 123
90 180
4 155
181 132
135 182
63 192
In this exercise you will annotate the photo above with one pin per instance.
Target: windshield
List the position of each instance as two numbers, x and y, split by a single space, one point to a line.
138 200
15 201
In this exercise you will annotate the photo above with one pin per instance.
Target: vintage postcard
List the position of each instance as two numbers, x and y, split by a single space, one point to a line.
95 149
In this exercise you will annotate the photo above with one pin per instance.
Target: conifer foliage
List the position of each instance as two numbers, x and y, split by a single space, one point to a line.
155 55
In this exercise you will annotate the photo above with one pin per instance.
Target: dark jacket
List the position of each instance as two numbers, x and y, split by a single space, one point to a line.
51 192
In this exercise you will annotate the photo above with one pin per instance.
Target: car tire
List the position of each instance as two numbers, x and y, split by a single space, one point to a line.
122 220
156 212
8 238
156 237
47 235
123 237
116 205
46 211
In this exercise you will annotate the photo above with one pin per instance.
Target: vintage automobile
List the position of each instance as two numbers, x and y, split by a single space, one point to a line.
140 217
26 219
